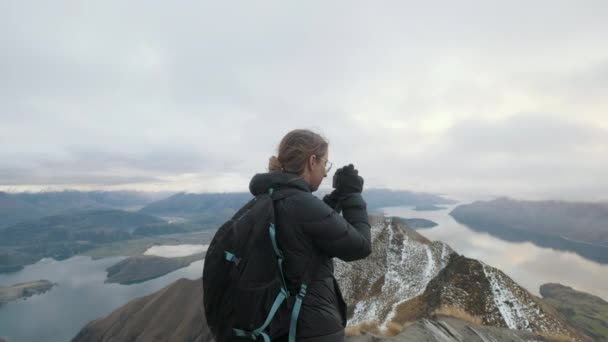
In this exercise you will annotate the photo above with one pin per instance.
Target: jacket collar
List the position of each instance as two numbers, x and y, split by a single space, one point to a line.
261 182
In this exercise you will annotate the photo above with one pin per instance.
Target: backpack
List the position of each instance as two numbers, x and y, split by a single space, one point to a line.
245 295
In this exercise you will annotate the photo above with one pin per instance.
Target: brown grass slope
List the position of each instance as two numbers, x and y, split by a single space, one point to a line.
174 313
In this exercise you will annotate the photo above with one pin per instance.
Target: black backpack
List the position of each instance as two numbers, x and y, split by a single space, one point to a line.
245 295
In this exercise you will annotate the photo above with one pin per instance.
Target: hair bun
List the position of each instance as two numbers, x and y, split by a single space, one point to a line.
274 164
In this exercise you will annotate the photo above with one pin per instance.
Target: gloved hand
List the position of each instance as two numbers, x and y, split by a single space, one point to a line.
347 180
332 199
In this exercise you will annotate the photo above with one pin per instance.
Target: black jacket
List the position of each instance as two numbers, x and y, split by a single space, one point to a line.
310 231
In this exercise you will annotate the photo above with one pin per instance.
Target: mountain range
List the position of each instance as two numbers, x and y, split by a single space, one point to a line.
17 207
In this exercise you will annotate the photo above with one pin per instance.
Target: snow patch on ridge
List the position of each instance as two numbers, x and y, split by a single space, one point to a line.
407 266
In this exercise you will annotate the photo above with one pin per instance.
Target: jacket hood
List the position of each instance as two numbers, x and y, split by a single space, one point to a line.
261 182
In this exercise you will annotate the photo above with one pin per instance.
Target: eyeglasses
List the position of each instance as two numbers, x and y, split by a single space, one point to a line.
327 162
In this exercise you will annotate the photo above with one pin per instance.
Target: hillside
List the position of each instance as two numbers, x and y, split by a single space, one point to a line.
577 227
584 311
64 235
17 207
585 222
211 206
96 225
171 314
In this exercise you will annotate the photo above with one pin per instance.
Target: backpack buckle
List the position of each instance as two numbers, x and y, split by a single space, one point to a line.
232 258
302 291
245 334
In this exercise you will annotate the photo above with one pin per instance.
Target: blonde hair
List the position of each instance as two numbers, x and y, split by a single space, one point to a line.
295 149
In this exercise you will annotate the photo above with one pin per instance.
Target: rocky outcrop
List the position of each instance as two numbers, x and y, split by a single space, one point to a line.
447 329
408 278
400 266
483 294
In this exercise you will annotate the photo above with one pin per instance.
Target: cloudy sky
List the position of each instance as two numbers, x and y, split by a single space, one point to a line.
469 98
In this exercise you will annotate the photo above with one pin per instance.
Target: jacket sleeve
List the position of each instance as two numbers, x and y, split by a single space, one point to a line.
347 238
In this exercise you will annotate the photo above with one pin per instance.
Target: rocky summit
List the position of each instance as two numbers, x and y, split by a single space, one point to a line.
408 278
400 266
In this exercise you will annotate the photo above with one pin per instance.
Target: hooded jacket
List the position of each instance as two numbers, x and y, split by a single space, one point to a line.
310 234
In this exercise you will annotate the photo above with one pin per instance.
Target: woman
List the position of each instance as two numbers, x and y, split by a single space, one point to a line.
310 232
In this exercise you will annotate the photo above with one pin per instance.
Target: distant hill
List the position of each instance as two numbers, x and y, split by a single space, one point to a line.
140 268
64 235
218 207
587 222
211 207
16 207
584 311
96 225
572 226
409 287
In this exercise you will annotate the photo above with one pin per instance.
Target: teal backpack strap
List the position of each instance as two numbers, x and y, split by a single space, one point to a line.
295 313
293 325
273 237
260 331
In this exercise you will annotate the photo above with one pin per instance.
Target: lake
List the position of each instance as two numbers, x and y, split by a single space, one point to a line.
527 264
80 297
173 251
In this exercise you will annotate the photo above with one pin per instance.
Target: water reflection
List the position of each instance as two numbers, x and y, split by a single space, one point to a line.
172 251
528 264
80 297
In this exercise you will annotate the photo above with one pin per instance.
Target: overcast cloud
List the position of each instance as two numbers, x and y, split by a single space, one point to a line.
469 98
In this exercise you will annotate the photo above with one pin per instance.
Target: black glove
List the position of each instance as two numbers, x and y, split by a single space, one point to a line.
347 180
332 199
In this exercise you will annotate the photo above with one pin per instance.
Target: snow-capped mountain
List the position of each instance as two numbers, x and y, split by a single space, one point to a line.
408 277
401 265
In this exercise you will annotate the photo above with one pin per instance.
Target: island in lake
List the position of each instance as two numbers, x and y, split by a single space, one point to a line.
417 223
428 207
24 290
140 268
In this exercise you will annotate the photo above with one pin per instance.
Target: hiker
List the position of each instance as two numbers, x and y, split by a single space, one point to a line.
311 232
